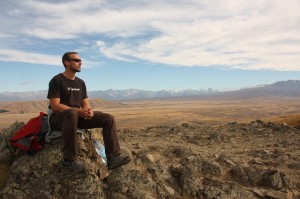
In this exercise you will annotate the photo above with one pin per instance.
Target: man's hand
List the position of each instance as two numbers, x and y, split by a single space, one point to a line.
86 113
86 110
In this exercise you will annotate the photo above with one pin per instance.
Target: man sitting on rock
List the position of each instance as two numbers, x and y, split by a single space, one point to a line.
71 110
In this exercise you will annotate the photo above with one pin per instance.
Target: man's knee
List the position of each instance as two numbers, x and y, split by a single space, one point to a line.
108 120
71 114
110 117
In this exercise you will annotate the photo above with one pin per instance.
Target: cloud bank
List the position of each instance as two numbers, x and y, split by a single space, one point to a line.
256 35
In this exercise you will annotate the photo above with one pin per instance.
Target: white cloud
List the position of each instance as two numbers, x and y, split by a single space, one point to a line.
261 34
9 55
34 58
264 35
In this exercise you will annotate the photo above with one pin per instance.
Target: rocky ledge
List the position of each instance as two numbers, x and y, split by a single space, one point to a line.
255 160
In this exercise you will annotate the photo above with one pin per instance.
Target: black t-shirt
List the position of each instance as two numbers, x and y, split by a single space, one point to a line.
70 92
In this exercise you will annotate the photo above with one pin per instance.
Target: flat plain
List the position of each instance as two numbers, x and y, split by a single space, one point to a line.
137 114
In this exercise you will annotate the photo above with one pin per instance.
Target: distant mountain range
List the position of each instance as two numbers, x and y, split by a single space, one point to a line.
290 88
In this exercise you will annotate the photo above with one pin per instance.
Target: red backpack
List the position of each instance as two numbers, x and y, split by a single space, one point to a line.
32 135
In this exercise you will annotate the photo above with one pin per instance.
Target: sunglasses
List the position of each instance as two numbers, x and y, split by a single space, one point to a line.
75 60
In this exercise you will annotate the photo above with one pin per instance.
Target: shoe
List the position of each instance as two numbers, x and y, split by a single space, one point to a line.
75 165
118 161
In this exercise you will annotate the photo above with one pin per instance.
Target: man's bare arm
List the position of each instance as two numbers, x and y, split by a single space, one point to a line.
85 103
86 106
56 106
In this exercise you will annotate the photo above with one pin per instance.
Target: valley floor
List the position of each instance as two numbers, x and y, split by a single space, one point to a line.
169 112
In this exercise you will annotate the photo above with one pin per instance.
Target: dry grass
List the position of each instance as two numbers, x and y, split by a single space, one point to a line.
291 120
144 113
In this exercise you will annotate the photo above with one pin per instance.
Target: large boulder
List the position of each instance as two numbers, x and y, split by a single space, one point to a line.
44 175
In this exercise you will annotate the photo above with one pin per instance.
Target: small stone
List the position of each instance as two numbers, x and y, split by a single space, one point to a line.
273 179
145 158
216 137
211 168
278 194
257 161
175 170
169 190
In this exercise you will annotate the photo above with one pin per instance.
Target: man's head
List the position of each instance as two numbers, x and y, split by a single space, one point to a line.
72 61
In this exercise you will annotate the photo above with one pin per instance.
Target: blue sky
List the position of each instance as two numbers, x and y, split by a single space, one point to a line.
150 45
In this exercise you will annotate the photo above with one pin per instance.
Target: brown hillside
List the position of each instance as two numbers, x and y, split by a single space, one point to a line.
291 120
42 105
139 114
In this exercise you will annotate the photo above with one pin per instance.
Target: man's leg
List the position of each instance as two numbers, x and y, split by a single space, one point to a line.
110 137
108 124
67 121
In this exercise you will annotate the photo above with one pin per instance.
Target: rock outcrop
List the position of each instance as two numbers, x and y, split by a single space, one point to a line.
255 160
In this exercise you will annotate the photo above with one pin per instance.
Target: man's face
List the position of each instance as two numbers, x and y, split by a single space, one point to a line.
75 63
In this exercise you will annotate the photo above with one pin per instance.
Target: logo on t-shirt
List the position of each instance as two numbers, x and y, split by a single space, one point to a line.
73 89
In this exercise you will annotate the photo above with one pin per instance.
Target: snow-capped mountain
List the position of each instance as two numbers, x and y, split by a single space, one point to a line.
281 88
